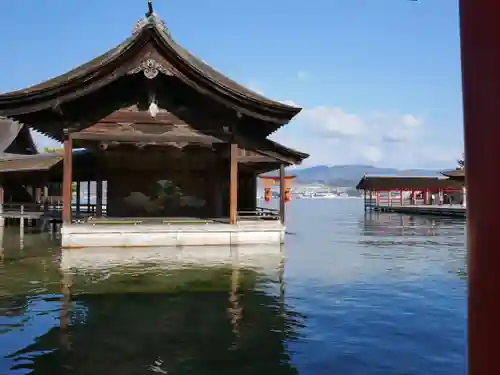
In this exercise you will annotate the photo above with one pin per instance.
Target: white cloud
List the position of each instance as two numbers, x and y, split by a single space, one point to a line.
411 121
332 135
372 154
303 76
333 122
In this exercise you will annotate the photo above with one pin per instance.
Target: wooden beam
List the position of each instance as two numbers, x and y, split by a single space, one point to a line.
282 193
255 159
480 47
145 138
142 117
67 177
233 184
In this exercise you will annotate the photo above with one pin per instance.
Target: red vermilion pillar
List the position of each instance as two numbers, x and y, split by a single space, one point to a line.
233 184
67 177
480 42
282 193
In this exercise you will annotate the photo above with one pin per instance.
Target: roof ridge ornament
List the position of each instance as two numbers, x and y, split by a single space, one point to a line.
150 18
150 9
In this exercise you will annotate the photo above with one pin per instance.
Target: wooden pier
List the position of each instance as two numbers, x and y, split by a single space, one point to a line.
436 196
423 209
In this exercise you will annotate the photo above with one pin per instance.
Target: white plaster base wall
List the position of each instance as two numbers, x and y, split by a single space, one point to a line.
117 235
264 257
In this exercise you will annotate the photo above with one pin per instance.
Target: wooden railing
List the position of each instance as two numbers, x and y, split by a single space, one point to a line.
261 213
84 208
396 202
51 207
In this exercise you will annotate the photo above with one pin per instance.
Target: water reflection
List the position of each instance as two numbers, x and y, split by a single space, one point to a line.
394 224
417 241
362 297
151 310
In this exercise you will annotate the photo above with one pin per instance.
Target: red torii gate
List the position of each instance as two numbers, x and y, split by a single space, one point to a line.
269 181
480 47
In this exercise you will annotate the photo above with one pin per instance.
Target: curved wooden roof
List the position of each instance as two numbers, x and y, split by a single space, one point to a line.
23 163
457 174
128 55
15 138
406 182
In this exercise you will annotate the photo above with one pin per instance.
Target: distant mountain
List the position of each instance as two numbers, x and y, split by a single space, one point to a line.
349 175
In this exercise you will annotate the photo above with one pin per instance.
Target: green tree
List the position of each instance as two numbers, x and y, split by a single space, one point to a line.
461 161
49 150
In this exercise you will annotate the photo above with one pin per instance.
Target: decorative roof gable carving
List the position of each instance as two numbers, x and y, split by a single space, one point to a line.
150 67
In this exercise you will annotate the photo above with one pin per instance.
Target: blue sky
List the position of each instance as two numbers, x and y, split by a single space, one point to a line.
379 80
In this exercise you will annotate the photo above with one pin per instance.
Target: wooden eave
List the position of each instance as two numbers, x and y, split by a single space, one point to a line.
406 182
297 156
274 150
15 138
29 163
146 138
24 143
457 174
120 60
12 165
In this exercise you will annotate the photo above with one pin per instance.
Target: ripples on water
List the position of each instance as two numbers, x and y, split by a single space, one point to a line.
353 294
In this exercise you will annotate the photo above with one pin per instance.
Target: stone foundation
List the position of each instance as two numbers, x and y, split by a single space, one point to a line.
166 235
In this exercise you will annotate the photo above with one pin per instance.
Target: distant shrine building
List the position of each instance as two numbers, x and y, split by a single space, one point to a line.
177 142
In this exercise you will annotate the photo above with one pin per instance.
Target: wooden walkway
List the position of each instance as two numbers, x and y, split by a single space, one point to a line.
423 209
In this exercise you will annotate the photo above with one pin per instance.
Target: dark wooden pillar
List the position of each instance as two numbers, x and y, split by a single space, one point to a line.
67 176
480 43
88 198
2 198
282 193
216 185
78 197
246 190
45 198
233 184
98 190
216 192
253 182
